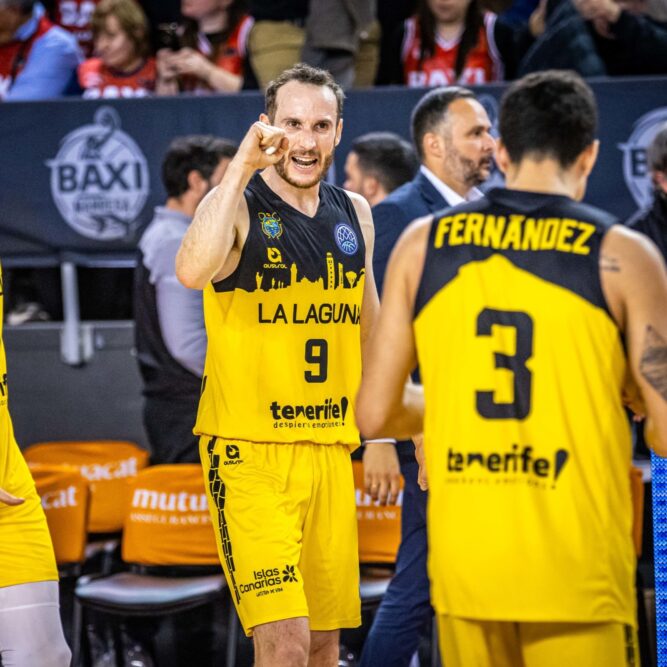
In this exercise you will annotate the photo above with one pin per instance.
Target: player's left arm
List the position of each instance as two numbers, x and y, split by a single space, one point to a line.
387 405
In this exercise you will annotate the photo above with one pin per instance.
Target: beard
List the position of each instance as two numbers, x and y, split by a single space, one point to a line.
281 168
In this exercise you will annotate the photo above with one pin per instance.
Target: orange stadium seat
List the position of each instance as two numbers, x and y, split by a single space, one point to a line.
167 524
65 498
107 465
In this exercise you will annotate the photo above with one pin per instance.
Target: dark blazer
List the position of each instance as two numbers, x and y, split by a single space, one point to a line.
393 214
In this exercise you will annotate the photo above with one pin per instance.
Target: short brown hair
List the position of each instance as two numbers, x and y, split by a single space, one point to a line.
303 74
131 19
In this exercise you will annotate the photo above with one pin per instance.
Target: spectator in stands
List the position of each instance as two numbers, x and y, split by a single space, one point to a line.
377 164
211 52
122 67
171 339
454 41
277 36
391 15
598 38
653 222
38 60
343 37
75 16
451 132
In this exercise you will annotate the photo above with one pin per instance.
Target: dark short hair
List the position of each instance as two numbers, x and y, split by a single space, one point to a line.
303 74
195 152
431 110
656 154
550 114
387 157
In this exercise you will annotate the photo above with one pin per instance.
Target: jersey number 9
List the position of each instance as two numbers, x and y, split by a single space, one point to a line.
317 353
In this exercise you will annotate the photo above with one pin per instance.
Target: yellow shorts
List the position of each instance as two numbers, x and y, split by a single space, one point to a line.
470 643
286 530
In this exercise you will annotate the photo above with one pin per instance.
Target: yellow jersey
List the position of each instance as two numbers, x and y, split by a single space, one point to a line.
283 362
527 442
26 553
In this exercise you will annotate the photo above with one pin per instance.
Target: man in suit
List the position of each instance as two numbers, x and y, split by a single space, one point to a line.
451 133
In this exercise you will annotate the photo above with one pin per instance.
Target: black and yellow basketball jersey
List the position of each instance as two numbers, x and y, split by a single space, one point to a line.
527 443
26 554
284 358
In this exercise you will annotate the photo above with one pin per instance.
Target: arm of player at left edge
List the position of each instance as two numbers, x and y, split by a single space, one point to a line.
387 404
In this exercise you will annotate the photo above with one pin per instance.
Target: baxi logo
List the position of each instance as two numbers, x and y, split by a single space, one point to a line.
271 224
99 179
346 239
288 574
635 167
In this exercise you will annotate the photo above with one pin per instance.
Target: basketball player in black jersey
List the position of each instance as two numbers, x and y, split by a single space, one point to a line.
534 318
284 260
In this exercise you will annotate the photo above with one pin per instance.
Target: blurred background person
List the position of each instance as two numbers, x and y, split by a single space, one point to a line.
38 59
454 41
121 66
75 16
277 36
209 53
377 164
170 334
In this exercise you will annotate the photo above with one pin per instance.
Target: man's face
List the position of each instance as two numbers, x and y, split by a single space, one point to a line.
308 114
469 145
354 177
10 20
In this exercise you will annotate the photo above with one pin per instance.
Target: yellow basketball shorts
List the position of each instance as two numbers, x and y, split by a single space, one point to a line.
285 520
472 643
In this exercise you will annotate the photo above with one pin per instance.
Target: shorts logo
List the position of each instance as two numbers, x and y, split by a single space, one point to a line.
346 239
636 170
233 454
99 179
288 574
271 225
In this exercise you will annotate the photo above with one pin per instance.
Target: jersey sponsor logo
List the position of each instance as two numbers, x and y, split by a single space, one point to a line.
272 226
635 167
275 259
514 466
346 238
266 581
99 179
514 232
320 313
320 415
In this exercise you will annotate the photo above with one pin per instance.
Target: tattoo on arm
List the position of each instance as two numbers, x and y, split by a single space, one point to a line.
609 264
653 363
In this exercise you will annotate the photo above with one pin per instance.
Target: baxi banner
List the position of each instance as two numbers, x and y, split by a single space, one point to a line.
80 178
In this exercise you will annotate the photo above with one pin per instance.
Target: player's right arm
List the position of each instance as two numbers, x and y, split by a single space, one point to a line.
220 225
634 280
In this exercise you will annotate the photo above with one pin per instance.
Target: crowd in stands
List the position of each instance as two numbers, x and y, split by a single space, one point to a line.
131 48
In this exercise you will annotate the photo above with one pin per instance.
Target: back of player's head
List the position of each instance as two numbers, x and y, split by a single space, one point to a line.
656 154
302 73
387 157
195 152
431 110
550 114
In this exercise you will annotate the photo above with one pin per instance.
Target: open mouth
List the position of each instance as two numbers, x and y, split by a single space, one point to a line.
304 162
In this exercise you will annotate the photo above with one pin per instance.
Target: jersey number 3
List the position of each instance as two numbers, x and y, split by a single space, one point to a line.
522 323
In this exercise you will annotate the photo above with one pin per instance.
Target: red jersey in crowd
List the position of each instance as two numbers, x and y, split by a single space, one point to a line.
98 80
482 65
231 53
14 55
75 16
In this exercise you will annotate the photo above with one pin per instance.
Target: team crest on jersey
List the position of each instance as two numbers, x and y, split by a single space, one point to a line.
271 225
346 239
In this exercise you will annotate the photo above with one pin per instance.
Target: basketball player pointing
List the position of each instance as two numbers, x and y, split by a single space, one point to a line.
518 306
284 260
